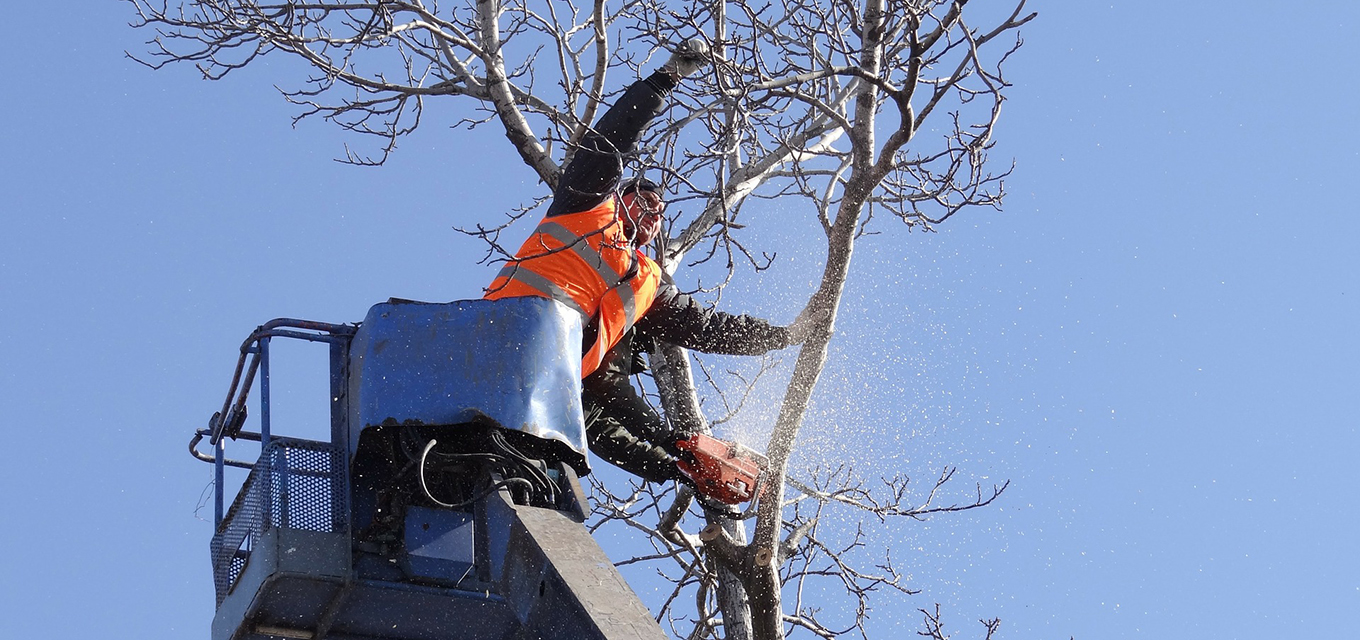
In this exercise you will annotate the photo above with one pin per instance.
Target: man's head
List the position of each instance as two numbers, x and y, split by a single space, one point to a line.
642 210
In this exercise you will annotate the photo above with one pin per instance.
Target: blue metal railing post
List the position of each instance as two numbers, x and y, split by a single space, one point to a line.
278 461
339 389
339 356
219 494
264 392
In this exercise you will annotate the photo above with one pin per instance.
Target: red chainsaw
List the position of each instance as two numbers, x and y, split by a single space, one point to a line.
722 471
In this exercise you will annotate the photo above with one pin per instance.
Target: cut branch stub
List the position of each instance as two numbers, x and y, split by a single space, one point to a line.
763 557
722 548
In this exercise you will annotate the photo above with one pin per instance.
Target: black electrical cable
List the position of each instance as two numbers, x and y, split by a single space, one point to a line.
424 487
509 466
546 484
504 458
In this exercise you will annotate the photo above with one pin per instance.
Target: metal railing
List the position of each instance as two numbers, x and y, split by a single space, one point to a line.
296 484
254 359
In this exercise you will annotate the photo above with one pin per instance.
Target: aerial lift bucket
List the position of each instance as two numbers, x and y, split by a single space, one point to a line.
315 545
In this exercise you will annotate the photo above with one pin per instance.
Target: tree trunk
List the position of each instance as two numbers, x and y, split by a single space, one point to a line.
675 381
766 610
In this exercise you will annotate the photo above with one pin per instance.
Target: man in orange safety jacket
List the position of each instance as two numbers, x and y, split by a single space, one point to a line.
586 254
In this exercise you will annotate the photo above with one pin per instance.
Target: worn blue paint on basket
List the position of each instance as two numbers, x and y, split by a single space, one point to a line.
514 362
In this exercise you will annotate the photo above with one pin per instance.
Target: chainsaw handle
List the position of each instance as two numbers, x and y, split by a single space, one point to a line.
750 511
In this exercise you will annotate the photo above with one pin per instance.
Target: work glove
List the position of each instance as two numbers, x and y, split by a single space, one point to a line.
688 58
803 324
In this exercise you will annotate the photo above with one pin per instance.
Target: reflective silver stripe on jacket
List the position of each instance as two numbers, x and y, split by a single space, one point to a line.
611 278
518 271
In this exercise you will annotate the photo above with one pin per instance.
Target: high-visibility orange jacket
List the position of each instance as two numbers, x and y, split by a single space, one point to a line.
584 261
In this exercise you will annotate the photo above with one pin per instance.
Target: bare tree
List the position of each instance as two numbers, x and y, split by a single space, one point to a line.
818 102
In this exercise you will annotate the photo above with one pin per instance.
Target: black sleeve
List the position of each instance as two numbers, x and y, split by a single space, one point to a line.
594 172
679 319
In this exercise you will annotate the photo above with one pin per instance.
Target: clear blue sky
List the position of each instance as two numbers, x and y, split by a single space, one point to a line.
1154 341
